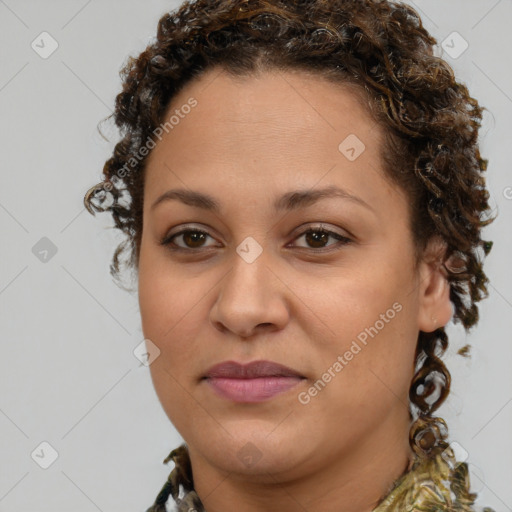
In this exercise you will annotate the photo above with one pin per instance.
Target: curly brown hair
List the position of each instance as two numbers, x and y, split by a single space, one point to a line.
430 121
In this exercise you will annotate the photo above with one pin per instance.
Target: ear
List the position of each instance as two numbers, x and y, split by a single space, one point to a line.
435 308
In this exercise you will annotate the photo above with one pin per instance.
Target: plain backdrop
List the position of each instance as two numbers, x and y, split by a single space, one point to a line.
74 397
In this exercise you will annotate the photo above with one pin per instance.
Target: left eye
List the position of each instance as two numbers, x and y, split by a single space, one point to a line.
317 236
194 239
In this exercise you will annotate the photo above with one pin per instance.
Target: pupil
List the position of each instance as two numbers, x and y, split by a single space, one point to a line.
316 236
193 235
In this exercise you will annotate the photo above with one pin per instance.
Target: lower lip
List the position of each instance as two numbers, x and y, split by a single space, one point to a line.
252 390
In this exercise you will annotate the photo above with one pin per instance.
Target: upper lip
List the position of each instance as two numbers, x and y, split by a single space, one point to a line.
254 369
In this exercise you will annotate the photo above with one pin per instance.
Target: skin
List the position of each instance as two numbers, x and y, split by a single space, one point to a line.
300 303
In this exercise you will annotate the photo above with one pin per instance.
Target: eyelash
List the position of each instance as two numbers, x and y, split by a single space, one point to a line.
167 240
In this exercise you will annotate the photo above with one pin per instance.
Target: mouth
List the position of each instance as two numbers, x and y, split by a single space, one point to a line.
253 370
254 382
252 390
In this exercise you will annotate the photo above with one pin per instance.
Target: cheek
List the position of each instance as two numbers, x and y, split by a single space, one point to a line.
170 308
372 321
355 303
171 319
165 296
359 382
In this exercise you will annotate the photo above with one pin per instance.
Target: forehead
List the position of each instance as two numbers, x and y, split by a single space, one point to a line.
269 130
271 106
299 99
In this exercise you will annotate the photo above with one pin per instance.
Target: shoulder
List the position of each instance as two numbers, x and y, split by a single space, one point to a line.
433 484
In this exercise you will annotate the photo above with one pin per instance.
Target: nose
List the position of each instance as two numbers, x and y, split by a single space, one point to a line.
251 299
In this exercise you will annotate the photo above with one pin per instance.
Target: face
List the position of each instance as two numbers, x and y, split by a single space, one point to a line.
321 283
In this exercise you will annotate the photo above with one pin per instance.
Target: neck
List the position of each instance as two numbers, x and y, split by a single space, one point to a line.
353 480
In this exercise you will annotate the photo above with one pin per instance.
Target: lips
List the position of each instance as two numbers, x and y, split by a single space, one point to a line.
253 370
252 390
257 381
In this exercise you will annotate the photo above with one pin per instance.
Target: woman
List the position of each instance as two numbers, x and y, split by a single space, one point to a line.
302 191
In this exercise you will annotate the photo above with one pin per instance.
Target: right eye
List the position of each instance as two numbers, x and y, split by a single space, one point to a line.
192 239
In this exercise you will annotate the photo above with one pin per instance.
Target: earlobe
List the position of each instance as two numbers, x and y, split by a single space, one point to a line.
435 307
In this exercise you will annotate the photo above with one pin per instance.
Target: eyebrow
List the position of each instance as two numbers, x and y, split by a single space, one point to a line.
290 201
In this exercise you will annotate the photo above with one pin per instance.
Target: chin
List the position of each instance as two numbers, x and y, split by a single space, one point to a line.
254 451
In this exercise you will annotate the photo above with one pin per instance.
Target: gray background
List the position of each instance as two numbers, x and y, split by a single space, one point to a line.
68 374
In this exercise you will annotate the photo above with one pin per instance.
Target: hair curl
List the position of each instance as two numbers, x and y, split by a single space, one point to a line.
430 121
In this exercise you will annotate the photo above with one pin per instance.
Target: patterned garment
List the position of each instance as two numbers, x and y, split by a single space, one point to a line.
435 484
